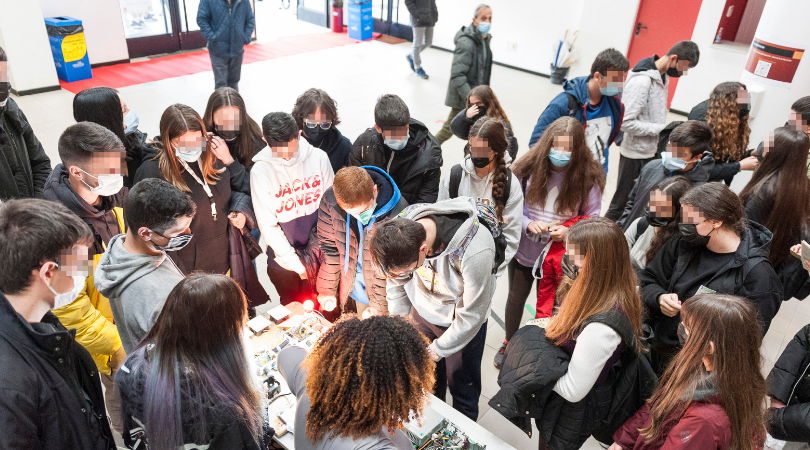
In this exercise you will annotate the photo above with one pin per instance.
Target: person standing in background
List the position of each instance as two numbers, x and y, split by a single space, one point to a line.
472 65
423 17
25 166
227 25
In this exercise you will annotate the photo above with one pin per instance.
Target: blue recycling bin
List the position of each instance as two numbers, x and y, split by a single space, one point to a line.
360 21
69 49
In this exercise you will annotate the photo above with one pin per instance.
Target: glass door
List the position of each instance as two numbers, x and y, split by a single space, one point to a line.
160 26
392 20
314 11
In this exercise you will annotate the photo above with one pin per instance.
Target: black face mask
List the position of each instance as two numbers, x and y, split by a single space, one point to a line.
682 334
482 111
659 222
569 268
690 234
5 88
480 163
673 72
745 109
228 135
315 135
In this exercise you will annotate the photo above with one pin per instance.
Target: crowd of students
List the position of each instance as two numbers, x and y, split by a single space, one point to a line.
131 265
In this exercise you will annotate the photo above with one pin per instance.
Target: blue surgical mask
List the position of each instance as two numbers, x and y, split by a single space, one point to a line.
396 144
610 91
672 164
483 27
131 121
559 158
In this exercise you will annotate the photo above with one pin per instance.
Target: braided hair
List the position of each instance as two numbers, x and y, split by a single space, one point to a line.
493 133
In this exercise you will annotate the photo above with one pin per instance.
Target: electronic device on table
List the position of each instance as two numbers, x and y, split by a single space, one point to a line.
436 433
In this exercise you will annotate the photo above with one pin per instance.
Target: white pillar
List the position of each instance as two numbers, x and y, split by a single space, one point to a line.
23 37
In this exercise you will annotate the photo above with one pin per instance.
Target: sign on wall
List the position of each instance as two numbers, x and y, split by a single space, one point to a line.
774 62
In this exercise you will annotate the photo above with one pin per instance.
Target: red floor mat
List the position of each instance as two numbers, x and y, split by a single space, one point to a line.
122 75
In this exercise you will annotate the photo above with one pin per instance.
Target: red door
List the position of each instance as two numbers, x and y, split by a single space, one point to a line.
659 26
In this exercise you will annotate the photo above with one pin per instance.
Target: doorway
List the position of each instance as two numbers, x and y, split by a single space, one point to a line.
392 20
314 11
660 25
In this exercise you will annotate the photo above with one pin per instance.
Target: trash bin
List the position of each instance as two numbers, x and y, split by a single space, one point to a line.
66 36
558 74
360 22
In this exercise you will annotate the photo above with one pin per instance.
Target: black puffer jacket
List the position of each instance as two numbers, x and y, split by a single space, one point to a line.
24 166
789 382
532 366
461 124
423 12
416 169
138 151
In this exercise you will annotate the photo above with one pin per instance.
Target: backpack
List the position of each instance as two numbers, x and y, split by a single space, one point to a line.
489 219
663 137
455 180
573 105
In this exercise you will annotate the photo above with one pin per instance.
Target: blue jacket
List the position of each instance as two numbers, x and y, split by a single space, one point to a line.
558 107
227 28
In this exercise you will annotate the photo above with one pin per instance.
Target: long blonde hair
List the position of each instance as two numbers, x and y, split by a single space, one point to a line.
176 121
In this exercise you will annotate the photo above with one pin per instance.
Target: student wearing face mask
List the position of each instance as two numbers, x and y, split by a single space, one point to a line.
710 396
483 176
778 197
24 166
594 100
561 184
360 199
135 272
687 154
716 250
317 117
288 181
227 118
647 234
402 147
50 393
645 114
483 102
191 161
90 184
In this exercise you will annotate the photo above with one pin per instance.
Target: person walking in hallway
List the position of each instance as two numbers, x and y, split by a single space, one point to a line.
472 65
227 25
423 17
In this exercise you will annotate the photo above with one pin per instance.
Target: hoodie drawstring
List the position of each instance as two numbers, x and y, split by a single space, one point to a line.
348 239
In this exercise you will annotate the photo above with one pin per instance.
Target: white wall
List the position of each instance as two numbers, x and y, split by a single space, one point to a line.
604 24
103 29
23 37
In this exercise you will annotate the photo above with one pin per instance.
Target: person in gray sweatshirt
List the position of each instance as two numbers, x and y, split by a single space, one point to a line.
135 273
439 262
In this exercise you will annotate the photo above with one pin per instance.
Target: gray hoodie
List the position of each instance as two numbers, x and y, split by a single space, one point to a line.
137 286
645 109
460 301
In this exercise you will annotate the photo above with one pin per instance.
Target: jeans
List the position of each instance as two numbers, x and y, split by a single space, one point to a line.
227 71
422 39
445 133
460 371
520 286
629 170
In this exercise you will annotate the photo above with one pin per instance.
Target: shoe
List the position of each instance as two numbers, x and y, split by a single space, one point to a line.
410 60
421 74
500 355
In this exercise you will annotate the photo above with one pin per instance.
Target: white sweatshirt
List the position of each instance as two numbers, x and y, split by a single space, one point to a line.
595 345
285 192
480 189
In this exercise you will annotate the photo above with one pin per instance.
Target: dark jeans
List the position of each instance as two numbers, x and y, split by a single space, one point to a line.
520 285
290 287
227 71
460 371
629 170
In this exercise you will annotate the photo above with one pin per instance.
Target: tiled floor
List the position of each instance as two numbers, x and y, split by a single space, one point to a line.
355 75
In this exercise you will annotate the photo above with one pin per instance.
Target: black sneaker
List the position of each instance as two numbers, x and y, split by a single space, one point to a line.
410 61
500 355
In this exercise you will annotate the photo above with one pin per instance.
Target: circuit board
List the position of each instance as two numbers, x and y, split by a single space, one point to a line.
441 435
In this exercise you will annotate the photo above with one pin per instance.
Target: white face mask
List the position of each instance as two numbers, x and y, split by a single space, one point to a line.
131 121
189 154
68 297
107 184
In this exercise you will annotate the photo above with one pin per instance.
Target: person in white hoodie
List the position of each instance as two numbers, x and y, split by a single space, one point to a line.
288 180
645 114
439 260
484 176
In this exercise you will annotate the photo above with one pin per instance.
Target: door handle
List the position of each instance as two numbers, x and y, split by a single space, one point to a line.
638 28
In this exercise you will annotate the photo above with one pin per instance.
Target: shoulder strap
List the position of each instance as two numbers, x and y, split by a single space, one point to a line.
573 105
455 180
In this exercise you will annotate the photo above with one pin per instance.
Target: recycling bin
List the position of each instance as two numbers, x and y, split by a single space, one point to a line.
360 21
69 49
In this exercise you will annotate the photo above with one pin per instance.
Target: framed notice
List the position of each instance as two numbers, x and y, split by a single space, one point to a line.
773 63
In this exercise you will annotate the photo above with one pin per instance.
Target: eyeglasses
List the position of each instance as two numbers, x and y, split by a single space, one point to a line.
323 125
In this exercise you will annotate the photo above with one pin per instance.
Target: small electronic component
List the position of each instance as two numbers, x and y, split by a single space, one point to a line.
279 313
439 435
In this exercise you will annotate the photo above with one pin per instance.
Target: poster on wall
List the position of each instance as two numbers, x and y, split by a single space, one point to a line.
773 62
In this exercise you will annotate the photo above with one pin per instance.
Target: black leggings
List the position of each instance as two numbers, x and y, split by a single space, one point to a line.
520 285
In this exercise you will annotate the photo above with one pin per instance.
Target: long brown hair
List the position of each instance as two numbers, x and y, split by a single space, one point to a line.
493 132
674 187
729 132
606 281
250 131
729 325
365 375
489 99
581 174
176 121
780 182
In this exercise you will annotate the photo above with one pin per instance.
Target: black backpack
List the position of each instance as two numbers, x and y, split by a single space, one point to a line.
455 180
